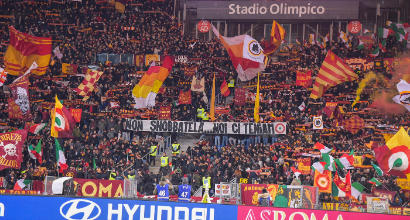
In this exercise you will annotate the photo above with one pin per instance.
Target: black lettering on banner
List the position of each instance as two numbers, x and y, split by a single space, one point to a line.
139 126
186 126
235 128
265 129
164 126
201 127
215 128
225 126
251 128
190 129
181 127
128 123
169 128
175 126
270 127
258 129
153 126
246 127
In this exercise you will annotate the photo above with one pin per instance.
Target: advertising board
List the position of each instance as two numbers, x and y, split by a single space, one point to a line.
262 213
97 208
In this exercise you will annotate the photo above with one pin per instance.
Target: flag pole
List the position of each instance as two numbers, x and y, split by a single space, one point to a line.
212 110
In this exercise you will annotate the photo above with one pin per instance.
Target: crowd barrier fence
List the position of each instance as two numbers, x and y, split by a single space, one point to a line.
58 207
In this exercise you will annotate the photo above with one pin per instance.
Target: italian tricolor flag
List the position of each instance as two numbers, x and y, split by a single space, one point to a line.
35 129
36 152
319 166
61 161
357 190
385 32
21 184
346 161
374 181
322 148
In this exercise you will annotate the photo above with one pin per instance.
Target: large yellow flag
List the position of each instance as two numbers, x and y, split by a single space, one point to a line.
256 109
212 111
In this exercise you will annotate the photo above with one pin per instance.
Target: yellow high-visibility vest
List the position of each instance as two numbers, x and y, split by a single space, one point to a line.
153 151
231 83
175 149
206 182
112 176
200 112
164 161
205 116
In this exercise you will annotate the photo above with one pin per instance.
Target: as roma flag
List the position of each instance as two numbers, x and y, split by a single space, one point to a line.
11 148
323 181
165 113
76 113
19 104
304 79
23 50
185 97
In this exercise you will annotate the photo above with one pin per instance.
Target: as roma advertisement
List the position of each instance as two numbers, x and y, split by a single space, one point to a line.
11 147
99 188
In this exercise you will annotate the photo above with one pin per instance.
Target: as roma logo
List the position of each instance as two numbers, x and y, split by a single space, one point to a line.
254 48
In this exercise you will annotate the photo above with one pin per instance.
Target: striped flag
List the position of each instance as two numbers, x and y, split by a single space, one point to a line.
332 72
23 50
146 90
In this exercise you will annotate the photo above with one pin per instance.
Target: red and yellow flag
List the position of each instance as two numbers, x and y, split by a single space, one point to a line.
277 35
146 90
23 50
332 72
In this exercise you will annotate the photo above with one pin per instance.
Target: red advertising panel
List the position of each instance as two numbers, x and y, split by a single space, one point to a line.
99 188
261 213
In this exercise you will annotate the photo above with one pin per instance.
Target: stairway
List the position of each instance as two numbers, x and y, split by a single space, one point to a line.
185 140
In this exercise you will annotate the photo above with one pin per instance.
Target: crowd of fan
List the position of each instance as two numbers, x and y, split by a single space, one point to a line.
102 145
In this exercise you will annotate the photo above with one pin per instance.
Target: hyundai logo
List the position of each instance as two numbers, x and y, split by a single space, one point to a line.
80 209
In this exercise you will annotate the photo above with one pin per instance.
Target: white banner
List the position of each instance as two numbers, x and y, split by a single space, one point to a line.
244 128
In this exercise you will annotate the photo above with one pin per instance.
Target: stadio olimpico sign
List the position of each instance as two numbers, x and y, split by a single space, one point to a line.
291 9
